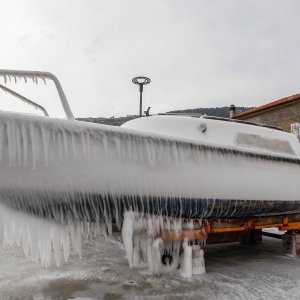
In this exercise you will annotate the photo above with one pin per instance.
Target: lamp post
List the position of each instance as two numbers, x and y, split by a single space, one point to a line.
141 81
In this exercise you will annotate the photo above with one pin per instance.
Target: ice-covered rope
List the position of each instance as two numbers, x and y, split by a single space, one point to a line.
35 75
24 99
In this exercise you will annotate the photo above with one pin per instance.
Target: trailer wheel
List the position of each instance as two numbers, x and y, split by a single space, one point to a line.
170 261
166 259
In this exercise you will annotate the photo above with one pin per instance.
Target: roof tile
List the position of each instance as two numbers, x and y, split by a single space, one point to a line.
267 106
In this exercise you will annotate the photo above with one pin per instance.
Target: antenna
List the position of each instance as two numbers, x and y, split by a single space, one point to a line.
141 81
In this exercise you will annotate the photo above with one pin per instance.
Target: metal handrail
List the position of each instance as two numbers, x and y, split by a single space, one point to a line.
26 100
35 75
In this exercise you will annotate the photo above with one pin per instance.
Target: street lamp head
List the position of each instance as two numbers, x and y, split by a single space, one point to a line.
141 80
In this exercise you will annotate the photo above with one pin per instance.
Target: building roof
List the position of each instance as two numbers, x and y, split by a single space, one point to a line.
267 106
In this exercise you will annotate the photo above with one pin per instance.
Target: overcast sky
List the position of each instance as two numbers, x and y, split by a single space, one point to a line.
198 53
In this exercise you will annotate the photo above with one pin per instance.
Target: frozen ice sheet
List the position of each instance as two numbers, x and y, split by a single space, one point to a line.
234 271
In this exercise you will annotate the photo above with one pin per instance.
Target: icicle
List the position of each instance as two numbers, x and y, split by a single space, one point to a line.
34 146
39 238
11 143
1 141
74 152
84 145
187 267
198 263
18 146
46 141
65 143
25 144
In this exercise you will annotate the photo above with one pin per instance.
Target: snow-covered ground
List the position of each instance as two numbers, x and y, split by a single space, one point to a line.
234 271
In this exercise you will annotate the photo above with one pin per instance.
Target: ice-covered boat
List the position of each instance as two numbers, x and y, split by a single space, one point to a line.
167 165
61 178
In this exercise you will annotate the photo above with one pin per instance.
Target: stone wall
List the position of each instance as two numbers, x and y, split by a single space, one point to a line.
282 116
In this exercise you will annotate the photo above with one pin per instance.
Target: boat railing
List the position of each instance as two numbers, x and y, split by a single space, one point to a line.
35 76
24 99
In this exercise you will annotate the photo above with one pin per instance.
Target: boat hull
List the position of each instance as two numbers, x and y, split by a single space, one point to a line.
96 207
75 170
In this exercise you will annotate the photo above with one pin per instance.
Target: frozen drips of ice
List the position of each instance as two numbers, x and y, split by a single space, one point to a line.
187 266
50 243
145 246
42 241
127 235
34 76
192 260
198 262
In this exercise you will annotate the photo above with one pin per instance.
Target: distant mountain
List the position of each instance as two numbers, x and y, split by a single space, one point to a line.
222 112
109 121
210 111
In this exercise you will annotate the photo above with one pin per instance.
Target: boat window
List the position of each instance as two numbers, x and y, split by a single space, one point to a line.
256 141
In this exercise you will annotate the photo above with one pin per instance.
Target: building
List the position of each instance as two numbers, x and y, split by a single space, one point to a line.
283 113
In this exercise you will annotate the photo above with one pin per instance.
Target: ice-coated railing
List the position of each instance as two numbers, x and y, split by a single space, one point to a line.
24 99
35 75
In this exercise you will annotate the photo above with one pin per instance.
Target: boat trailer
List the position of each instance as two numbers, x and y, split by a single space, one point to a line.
167 247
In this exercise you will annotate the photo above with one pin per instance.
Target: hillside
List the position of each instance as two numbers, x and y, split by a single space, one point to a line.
109 121
210 111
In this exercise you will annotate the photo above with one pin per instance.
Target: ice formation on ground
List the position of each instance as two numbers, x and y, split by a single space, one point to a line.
234 271
49 243
143 243
146 244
